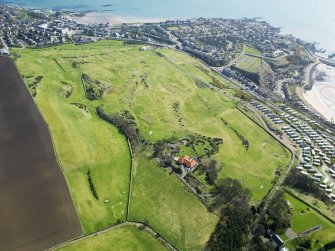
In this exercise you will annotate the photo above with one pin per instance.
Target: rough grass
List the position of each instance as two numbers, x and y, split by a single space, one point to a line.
125 238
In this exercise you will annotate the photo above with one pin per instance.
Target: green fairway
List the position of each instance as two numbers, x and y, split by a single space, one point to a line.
250 64
169 95
254 167
125 238
304 218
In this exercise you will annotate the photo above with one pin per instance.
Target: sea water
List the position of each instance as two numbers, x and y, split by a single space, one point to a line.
310 20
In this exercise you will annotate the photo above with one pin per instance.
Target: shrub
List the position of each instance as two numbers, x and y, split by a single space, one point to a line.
90 181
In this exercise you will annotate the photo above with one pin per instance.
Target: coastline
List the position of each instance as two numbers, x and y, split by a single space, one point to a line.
322 95
97 17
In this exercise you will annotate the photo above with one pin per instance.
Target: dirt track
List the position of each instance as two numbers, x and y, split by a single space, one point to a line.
36 210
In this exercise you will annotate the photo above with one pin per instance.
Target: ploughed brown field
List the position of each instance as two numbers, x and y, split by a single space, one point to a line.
36 210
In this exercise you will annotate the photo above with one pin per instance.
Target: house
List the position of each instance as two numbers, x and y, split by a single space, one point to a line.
188 162
277 241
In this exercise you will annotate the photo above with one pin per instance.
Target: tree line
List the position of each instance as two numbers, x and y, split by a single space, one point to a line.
233 229
125 123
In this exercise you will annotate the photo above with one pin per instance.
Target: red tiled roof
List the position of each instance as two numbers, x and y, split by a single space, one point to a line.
187 161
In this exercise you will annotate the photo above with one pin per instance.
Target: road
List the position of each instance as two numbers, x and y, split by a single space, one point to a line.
309 73
309 81
263 57
174 39
21 43
238 59
324 169
131 178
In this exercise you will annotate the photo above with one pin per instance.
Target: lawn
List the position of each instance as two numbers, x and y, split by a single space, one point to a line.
328 210
173 28
304 218
253 51
250 64
125 238
186 150
170 96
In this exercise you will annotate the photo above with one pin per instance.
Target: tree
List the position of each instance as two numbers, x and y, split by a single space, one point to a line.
125 123
259 245
232 230
278 213
306 185
211 172
304 244
227 190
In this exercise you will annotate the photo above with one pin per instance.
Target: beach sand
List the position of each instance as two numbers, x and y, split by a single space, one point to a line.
322 95
108 17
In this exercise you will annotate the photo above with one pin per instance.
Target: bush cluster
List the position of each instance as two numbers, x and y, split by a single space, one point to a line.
90 181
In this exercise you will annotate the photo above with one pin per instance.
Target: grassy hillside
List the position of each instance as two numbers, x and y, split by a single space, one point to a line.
125 238
169 95
161 200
